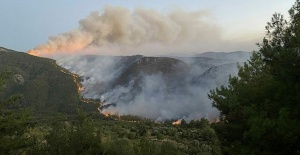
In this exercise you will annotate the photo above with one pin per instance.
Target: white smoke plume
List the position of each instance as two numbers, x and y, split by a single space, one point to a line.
157 96
155 103
119 31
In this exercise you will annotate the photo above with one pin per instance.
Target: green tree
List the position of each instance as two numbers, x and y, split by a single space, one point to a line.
260 108
13 123
118 147
79 137
142 130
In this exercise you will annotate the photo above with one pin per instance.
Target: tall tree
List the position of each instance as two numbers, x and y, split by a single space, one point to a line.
260 107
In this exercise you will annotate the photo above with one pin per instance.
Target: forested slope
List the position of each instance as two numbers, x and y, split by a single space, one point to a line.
45 86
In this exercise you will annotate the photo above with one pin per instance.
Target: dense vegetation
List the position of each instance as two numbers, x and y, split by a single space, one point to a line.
29 128
260 107
93 135
41 81
13 122
96 134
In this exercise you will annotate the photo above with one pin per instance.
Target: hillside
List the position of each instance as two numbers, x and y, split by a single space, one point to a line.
168 67
159 88
45 85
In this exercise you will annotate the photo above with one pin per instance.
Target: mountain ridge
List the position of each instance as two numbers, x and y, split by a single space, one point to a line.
44 85
122 81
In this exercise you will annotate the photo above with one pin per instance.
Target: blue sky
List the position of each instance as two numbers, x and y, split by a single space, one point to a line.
25 24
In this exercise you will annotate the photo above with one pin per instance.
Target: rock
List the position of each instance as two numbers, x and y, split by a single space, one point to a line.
19 79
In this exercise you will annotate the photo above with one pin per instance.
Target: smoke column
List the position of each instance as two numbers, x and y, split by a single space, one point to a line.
158 96
118 31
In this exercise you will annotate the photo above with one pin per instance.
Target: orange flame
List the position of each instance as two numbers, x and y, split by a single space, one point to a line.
34 52
178 122
106 114
50 51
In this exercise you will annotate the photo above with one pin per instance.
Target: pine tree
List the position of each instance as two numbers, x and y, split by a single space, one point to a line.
260 107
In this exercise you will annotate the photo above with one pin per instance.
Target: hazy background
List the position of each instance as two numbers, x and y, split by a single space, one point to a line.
25 24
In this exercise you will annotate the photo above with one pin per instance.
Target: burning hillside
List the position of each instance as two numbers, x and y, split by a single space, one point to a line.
158 88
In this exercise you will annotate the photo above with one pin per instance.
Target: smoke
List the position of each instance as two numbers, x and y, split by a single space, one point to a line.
151 87
98 72
142 86
118 31
154 101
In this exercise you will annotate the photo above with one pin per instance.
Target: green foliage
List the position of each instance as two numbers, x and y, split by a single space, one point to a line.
13 123
77 137
119 146
85 134
260 107
142 130
45 85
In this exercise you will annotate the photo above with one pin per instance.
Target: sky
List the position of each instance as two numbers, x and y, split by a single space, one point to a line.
25 24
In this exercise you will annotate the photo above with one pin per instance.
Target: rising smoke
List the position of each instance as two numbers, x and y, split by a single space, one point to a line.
159 95
118 31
